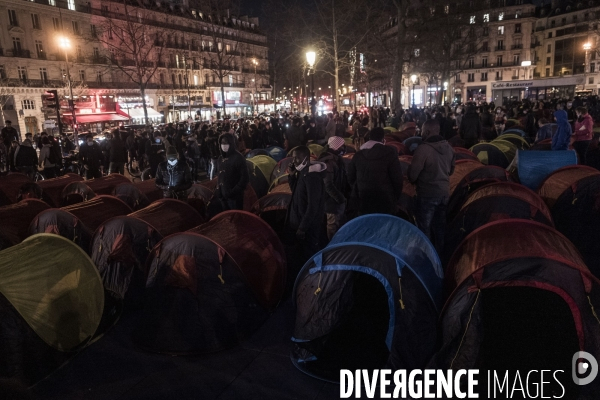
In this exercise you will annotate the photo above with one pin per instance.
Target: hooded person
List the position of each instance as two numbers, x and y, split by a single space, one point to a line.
562 137
155 150
376 176
173 176
90 156
583 134
26 159
307 206
470 127
232 174
430 170
336 182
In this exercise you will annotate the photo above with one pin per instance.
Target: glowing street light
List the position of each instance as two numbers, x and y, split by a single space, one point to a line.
311 57
413 79
65 44
587 47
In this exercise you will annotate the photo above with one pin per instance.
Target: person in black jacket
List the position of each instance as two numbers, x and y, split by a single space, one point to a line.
117 154
470 127
294 135
173 177
233 174
336 182
307 206
8 134
376 176
26 159
155 150
90 156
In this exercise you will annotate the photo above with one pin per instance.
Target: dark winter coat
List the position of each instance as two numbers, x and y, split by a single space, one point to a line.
376 175
470 126
8 135
90 156
336 181
233 175
431 167
117 150
487 119
307 206
176 178
295 137
25 155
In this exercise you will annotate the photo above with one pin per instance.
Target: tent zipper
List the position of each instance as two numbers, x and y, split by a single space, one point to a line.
319 284
400 286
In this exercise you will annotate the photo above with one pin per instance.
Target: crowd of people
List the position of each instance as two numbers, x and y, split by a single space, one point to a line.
326 190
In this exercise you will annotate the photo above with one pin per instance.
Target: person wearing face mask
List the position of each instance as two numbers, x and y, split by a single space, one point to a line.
173 177
90 156
336 183
583 133
233 174
307 206
155 150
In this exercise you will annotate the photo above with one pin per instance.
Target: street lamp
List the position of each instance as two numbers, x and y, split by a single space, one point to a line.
65 44
446 92
587 47
311 57
413 79
255 62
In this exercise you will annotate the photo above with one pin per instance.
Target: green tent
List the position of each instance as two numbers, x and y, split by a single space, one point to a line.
315 149
51 303
260 169
519 141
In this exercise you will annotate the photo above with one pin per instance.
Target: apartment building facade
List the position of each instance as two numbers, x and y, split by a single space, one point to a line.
49 44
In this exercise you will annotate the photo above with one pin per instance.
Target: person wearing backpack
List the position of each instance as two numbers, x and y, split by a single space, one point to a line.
336 184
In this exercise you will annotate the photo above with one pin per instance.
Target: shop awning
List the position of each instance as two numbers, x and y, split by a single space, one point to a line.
92 118
139 112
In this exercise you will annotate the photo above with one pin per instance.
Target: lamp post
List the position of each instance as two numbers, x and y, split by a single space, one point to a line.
413 79
311 57
587 47
254 105
445 92
187 83
65 44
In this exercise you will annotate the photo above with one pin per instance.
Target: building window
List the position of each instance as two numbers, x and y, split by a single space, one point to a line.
574 19
484 47
17 45
75 27
517 59
457 78
52 3
486 17
472 19
79 52
549 35
93 31
161 78
591 80
549 49
518 14
500 45
28 104
498 75
44 75
56 23
39 49
553 23
484 76
2 72
195 80
501 30
501 16
486 31
471 77
35 21
96 53
547 60
547 71
517 28
71 5
592 67
446 9
22 73
12 18
99 76
227 48
471 63
82 75
417 52
499 61
484 62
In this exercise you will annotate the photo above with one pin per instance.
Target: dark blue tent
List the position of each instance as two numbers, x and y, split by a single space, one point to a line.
370 299
276 153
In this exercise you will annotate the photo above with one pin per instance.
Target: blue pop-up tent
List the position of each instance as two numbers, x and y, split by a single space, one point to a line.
368 300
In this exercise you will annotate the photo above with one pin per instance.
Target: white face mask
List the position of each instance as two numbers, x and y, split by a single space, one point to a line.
225 148
157 140
301 166
172 162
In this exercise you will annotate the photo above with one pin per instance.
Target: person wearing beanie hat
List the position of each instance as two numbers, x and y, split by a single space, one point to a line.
233 176
336 184
173 176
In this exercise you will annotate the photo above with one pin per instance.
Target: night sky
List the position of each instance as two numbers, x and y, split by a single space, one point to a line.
252 8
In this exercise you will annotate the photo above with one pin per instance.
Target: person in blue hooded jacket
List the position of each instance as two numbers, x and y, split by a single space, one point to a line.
562 137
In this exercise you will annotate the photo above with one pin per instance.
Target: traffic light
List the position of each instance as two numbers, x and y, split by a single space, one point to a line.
50 102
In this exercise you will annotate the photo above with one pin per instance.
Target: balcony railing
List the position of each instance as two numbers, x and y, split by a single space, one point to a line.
18 53
498 78
514 77
41 56
36 83
500 48
516 46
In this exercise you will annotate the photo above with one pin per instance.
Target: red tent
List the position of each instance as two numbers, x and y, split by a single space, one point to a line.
15 220
121 245
53 188
272 208
9 187
78 222
211 286
148 188
557 182
521 296
104 185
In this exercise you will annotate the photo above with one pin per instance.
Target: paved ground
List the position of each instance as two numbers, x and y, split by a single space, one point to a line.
260 368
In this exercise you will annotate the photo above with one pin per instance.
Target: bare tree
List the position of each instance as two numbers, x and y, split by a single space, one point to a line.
5 95
135 46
